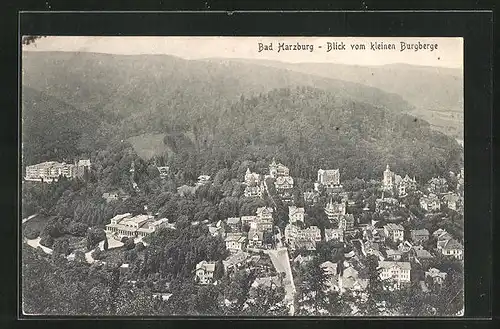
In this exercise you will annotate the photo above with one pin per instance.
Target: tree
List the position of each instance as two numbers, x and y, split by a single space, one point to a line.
94 236
314 286
96 254
129 244
80 256
30 39
267 301
77 229
139 247
376 295
106 244
219 270
61 246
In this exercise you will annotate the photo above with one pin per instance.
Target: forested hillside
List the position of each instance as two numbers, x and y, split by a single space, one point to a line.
53 129
141 85
308 128
436 94
215 113
436 88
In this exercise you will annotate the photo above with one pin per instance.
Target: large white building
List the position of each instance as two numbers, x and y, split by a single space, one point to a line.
50 171
396 271
134 226
395 232
329 177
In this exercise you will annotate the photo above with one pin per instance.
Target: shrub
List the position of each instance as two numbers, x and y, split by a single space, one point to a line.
61 246
140 247
46 240
129 244
97 254
31 234
77 229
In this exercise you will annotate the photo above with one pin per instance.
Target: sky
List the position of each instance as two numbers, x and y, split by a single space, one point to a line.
449 52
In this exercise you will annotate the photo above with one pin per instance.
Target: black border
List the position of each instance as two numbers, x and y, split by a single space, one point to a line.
475 27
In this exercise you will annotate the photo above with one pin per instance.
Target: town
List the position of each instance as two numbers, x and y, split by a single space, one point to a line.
391 221
158 182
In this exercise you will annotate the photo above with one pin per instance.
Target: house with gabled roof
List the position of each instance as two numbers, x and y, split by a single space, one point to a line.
395 232
251 178
278 170
452 201
396 271
255 238
418 253
235 242
330 177
346 222
419 236
235 261
335 210
204 272
163 171
350 280
254 191
453 248
311 197
438 185
234 223
393 254
331 271
295 214
405 246
303 242
430 203
436 275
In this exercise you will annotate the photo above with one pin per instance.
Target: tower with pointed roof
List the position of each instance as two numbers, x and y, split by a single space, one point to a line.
388 181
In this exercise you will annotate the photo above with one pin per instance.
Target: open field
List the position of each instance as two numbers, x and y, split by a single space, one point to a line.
149 145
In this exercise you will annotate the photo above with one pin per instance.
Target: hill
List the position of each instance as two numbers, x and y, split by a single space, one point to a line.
53 129
435 93
215 113
135 85
308 128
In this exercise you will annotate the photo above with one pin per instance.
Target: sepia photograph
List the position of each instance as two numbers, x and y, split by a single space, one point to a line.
242 176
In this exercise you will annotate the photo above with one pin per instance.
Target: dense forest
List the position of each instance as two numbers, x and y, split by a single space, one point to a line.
306 128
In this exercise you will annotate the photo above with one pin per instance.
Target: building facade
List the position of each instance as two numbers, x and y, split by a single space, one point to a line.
295 214
134 226
329 177
399 272
204 272
395 232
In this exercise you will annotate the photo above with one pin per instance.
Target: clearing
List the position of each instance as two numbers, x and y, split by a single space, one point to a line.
149 145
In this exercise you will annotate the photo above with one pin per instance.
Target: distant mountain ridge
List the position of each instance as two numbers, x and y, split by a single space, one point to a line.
131 83
435 94
432 88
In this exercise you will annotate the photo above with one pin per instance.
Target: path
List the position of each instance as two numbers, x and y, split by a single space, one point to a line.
28 218
35 243
281 262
